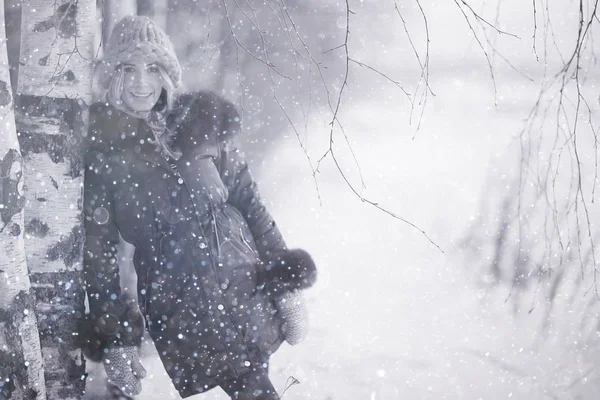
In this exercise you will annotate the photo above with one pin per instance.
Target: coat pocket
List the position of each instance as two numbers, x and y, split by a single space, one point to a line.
242 230
235 247
246 241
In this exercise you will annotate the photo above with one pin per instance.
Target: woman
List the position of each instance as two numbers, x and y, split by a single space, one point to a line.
217 287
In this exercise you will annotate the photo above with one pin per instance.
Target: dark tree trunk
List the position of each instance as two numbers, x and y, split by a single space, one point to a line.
145 7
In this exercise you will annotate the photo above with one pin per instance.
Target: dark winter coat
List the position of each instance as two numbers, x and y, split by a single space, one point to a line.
199 231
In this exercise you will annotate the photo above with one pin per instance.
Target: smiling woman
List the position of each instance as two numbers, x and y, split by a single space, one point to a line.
140 71
217 287
142 84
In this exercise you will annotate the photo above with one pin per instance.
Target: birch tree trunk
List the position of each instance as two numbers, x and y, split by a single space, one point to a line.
54 92
21 365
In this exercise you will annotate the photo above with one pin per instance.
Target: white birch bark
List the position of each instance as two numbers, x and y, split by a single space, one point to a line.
54 92
21 365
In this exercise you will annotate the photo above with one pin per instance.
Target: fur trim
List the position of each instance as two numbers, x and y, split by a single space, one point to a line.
200 116
286 270
108 330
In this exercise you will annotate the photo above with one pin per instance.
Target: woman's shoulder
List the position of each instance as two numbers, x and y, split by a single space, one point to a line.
103 116
203 115
106 123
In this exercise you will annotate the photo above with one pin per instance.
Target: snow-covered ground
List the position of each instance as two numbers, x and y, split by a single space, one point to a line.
392 316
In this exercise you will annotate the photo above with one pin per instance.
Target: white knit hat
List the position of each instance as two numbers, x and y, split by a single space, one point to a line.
135 35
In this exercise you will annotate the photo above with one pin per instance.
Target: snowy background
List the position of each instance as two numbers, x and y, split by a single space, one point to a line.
392 316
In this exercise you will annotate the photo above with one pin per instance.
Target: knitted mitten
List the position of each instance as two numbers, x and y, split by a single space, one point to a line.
293 313
124 369
283 274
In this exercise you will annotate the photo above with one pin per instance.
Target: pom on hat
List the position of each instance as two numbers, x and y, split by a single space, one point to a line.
138 35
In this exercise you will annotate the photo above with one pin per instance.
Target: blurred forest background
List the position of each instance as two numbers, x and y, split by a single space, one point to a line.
440 161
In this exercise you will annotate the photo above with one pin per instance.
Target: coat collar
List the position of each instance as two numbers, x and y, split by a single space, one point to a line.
201 120
114 131
200 116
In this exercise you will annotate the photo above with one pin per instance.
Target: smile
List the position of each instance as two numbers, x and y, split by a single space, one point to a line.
141 95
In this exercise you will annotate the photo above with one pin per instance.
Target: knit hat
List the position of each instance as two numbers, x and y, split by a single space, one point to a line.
139 35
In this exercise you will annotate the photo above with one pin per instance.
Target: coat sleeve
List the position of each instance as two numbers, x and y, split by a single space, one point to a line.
244 195
113 320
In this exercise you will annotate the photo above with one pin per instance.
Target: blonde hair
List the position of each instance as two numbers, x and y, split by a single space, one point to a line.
155 118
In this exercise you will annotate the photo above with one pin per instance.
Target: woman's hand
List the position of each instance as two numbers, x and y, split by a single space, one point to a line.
284 274
124 369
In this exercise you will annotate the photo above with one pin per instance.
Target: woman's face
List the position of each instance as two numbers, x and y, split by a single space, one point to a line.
142 84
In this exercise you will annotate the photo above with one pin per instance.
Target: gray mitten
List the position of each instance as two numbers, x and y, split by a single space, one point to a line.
294 316
124 369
